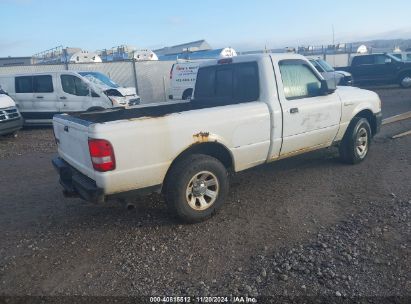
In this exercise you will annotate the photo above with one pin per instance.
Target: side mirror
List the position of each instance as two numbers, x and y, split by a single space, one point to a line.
388 60
328 86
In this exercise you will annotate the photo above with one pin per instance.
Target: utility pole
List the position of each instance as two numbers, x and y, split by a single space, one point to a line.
65 58
134 72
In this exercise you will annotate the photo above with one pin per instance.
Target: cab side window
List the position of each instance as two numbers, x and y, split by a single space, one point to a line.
362 60
380 59
74 85
299 81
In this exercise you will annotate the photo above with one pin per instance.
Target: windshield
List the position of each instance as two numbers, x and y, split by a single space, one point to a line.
324 64
99 79
317 66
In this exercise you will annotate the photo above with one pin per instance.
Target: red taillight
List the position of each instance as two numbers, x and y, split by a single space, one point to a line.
102 155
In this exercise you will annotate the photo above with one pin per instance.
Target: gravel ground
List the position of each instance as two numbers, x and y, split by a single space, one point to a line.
28 141
306 226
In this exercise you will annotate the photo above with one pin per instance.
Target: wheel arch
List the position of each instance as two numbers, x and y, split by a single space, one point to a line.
187 92
213 149
370 117
404 73
95 108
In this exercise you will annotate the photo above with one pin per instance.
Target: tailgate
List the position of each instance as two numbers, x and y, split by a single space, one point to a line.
72 140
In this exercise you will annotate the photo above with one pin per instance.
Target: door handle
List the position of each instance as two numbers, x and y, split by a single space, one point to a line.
293 110
39 97
63 97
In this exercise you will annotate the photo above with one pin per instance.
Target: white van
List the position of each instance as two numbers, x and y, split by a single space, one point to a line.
41 95
183 77
10 118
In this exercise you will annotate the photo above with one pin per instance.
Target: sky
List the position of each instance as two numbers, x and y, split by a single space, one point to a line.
31 26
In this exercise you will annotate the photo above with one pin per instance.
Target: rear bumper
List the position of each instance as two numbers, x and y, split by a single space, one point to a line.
10 126
76 183
378 122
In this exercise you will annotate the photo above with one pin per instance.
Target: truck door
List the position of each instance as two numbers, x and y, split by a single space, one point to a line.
74 94
362 68
310 120
24 94
45 101
385 68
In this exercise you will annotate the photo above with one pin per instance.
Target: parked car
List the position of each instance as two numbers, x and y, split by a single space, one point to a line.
182 79
42 95
379 69
10 118
329 73
246 111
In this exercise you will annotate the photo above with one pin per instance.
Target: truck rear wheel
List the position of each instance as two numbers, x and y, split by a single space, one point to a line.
196 187
356 142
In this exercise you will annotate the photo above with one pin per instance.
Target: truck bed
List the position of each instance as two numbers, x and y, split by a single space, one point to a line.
153 110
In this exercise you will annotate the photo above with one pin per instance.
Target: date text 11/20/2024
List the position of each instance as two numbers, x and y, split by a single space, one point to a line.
234 299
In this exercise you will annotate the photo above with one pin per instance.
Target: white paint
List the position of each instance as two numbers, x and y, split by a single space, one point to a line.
6 101
253 132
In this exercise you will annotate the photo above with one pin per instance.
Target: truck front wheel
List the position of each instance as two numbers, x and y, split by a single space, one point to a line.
356 142
405 81
196 187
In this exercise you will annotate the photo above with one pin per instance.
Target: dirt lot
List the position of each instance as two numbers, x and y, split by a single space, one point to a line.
299 227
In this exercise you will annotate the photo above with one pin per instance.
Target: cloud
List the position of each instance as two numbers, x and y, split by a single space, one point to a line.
175 20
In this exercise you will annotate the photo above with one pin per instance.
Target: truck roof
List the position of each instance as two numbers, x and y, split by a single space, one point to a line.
40 73
254 57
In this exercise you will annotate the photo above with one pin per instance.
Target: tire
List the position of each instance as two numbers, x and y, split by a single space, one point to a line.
186 193
187 94
355 144
405 81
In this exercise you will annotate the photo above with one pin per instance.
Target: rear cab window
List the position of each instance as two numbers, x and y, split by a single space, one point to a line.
228 84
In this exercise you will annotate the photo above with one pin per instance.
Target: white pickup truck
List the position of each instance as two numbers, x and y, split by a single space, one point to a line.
246 111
